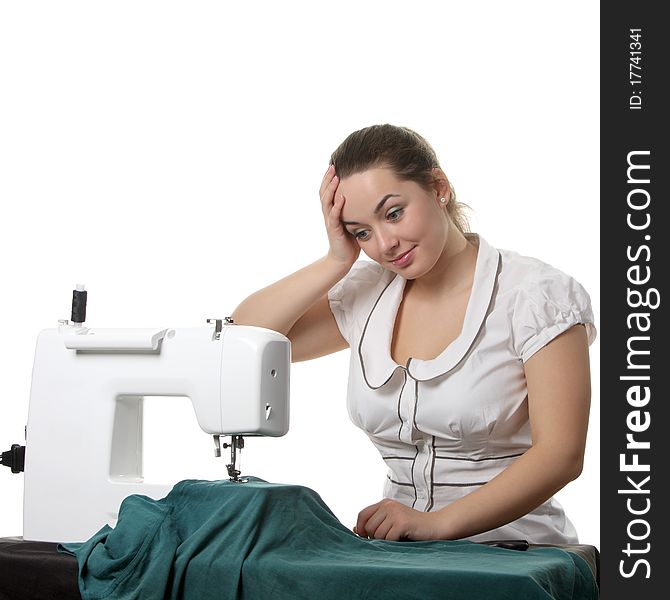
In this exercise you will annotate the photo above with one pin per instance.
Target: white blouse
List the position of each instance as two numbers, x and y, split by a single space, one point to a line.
448 425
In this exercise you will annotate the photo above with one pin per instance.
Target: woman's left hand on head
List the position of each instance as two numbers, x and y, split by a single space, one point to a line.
391 520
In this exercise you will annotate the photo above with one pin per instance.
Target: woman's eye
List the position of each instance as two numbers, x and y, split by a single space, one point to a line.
394 215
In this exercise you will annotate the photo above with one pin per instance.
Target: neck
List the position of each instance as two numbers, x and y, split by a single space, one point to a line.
454 270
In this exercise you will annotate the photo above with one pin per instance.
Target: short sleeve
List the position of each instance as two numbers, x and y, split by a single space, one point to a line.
549 303
349 297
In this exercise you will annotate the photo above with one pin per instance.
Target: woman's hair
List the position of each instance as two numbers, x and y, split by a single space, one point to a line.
405 152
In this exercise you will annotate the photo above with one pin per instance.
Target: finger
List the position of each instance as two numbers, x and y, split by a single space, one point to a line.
384 528
335 213
334 216
326 179
363 517
327 199
330 176
329 183
329 170
374 523
396 534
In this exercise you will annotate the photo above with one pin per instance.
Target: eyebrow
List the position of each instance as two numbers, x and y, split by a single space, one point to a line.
379 206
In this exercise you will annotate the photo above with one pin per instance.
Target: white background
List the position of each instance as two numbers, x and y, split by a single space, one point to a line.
169 155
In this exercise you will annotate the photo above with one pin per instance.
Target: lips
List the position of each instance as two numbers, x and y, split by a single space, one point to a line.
401 258
400 255
403 254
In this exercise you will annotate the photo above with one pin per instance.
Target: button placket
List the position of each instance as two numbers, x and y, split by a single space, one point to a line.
421 464
406 410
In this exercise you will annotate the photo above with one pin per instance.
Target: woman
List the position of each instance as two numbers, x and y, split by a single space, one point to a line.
469 366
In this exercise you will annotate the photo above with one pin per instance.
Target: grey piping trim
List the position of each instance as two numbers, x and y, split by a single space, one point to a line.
403 484
460 484
478 459
416 402
438 484
474 338
432 478
412 472
360 341
404 383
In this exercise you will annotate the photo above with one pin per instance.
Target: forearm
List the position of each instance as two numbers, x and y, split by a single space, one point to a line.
280 305
532 479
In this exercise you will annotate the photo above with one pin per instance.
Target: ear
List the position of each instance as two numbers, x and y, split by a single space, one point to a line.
441 185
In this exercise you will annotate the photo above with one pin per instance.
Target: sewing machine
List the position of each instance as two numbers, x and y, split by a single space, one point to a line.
84 441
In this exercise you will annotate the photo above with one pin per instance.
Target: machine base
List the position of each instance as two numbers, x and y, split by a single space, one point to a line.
37 571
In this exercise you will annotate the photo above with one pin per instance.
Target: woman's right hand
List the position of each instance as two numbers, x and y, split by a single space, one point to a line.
343 246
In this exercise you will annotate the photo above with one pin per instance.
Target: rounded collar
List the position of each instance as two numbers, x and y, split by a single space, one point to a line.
374 348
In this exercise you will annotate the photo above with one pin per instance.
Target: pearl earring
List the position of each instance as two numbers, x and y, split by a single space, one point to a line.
443 200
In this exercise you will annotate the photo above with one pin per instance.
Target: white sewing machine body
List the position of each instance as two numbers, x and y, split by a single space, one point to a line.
84 431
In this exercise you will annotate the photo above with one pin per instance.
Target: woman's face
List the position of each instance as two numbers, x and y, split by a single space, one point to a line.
390 218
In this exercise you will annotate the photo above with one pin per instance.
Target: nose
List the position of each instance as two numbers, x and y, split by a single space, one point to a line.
387 241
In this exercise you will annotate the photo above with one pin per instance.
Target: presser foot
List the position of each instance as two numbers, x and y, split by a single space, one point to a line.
236 443
235 475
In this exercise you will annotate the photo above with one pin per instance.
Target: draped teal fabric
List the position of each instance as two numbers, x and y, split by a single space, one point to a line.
259 540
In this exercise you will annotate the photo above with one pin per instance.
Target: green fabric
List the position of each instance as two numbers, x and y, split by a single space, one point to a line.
259 540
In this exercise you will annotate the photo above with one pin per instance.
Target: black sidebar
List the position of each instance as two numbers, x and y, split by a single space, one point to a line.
635 360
